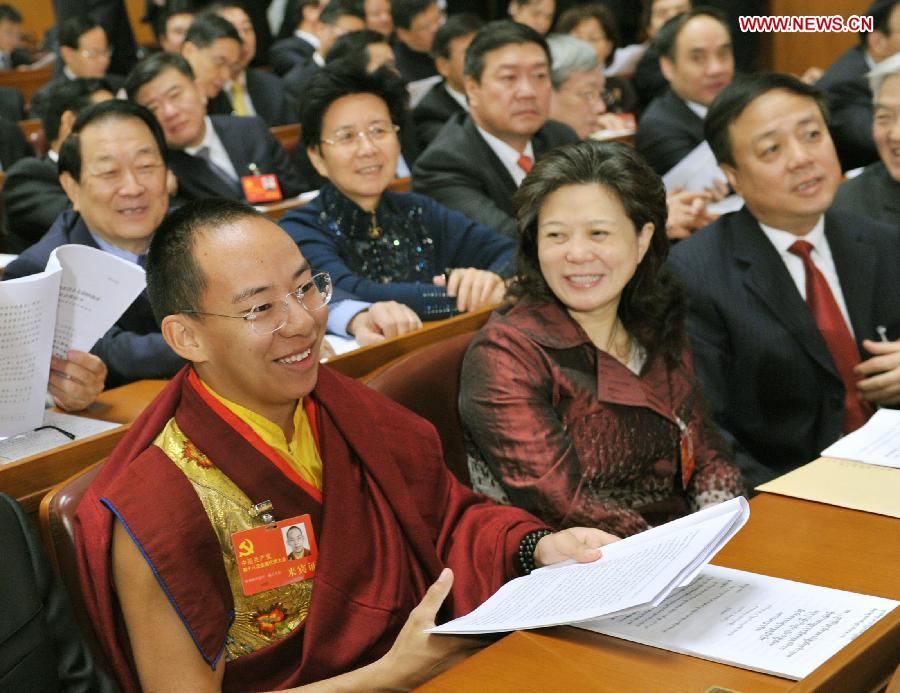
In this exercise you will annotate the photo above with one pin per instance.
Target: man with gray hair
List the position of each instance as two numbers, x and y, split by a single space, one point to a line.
875 192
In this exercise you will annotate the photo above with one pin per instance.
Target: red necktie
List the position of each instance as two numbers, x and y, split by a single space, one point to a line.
837 336
525 163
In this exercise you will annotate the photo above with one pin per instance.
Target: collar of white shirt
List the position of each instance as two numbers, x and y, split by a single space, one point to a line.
108 247
311 39
457 96
217 151
508 156
698 108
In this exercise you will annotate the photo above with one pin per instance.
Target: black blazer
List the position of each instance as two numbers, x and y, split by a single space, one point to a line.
648 80
764 365
271 100
667 132
287 52
461 171
850 99
432 112
41 648
247 141
34 199
133 349
411 64
873 193
12 143
12 105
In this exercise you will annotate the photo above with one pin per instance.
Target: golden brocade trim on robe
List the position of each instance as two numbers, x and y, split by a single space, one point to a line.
261 619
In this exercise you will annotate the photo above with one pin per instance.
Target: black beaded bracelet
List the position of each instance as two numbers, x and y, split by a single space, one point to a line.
526 549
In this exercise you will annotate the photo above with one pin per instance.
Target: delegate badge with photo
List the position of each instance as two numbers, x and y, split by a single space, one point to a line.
261 188
275 555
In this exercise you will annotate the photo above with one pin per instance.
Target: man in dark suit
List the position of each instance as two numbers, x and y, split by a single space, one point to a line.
208 154
648 80
875 192
32 191
415 24
212 47
297 48
170 23
112 15
449 95
251 91
114 173
787 296
84 51
696 59
11 55
848 92
477 161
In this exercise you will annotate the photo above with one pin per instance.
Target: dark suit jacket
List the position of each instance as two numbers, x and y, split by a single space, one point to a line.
271 100
413 65
39 97
873 193
112 15
34 199
296 78
12 105
12 143
432 112
41 648
851 108
667 132
247 141
766 370
133 349
286 53
460 170
648 80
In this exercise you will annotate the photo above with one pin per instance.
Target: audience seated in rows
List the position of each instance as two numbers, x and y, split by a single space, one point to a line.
298 49
648 80
212 47
415 24
538 14
596 25
41 648
577 97
875 193
448 96
696 58
236 426
376 244
171 22
580 404
208 154
251 91
479 159
32 193
337 19
787 296
84 51
849 96
12 54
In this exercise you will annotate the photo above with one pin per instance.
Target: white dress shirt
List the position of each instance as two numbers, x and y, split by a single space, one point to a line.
508 156
821 257
217 151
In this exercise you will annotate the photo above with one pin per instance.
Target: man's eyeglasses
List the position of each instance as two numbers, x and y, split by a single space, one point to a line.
93 55
267 318
375 133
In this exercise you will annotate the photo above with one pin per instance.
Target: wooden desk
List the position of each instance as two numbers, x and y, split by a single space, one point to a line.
29 479
276 210
26 81
287 135
368 361
785 537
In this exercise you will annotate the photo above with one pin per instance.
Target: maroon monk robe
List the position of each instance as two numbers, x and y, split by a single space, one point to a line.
391 518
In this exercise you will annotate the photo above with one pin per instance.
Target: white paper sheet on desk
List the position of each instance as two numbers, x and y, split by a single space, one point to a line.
878 442
26 444
635 573
696 172
756 622
95 289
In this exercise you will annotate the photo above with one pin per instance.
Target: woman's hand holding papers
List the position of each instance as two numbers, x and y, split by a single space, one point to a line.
579 543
